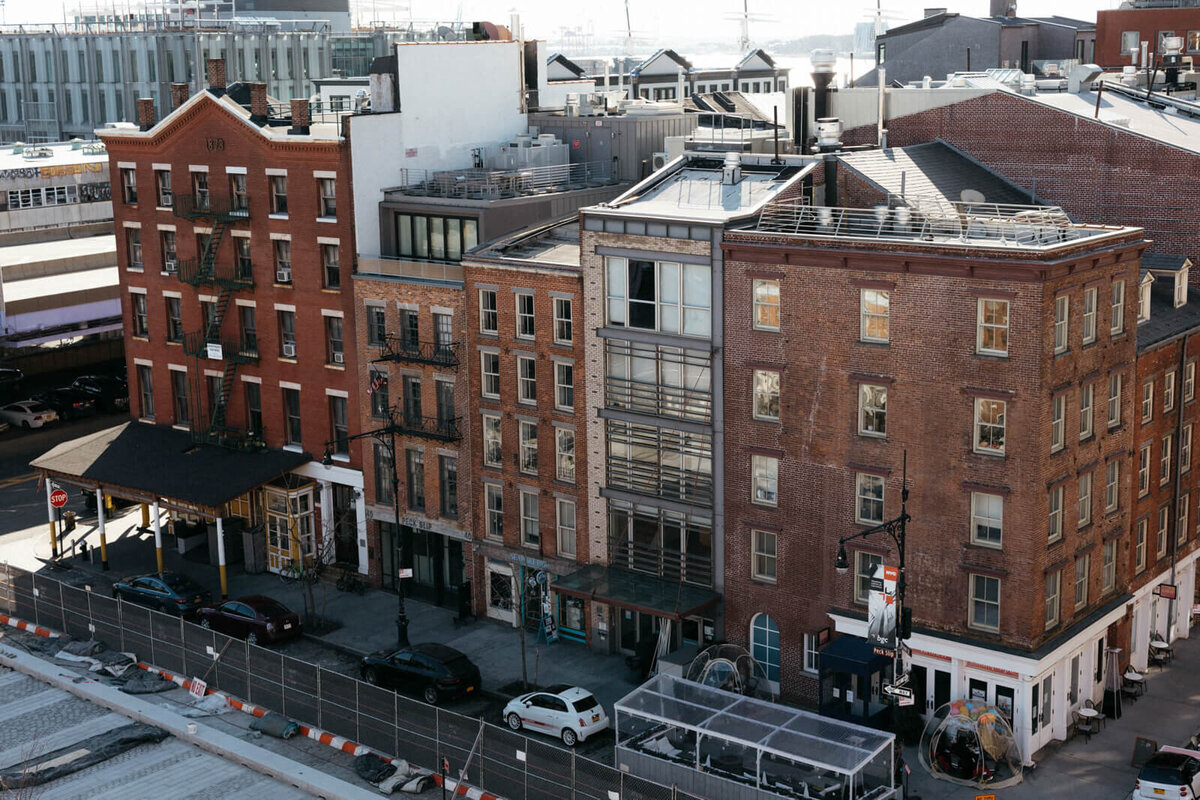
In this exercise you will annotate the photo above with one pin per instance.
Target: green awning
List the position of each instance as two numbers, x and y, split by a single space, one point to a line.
636 591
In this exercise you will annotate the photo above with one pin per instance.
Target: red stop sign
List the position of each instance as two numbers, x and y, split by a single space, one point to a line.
58 498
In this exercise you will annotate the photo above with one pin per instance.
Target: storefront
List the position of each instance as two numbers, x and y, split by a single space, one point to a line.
433 551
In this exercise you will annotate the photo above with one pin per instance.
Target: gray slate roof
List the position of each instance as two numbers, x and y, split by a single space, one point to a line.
1166 321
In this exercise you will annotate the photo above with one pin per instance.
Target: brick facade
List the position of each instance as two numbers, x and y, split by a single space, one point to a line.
1148 24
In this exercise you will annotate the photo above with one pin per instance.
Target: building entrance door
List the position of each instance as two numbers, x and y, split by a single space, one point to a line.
501 593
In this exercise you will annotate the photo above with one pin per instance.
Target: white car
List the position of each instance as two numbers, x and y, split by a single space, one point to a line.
1172 772
567 712
28 414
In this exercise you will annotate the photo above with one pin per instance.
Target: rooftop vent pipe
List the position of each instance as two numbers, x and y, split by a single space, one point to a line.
732 171
829 132
823 62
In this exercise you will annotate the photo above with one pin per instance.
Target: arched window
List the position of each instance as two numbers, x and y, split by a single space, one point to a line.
764 644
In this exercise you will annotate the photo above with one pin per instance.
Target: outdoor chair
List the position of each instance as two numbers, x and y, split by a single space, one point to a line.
1085 726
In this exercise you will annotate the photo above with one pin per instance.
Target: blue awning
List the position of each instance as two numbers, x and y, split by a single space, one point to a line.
851 654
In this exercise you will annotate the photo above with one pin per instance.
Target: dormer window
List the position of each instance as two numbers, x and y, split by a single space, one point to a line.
1181 284
1144 298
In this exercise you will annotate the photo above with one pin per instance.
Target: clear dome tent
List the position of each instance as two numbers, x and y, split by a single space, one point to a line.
971 742
732 668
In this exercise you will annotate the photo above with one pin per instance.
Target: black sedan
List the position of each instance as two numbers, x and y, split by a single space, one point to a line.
68 402
164 591
435 671
111 394
255 619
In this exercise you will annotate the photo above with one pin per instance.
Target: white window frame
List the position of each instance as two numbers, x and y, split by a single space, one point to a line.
987 510
974 597
1053 598
869 409
1189 381
567 543
1089 315
981 425
865 563
1112 486
1142 530
531 532
1084 500
526 386
563 322
1087 394
1143 301
760 556
1116 324
1062 323
526 327
1144 469
988 307
1160 536
487 315
527 447
764 304
494 515
1168 392
759 378
866 487
868 319
688 314
493 432
1055 530
564 458
1108 567
1058 423
812 654
1115 382
486 377
1083 568
764 472
1182 522
1148 401
561 386
1164 461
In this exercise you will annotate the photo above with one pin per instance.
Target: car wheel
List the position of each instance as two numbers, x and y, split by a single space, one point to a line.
514 721
204 623
252 638
25 424
371 676
569 738
431 695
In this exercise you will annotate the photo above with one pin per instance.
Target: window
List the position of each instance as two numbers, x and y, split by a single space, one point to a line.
529 447
766 395
328 194
133 247
415 479
129 187
279 204
1164 463
1053 597
287 334
989 426
1112 486
283 261
239 201
254 421
245 264
1089 315
530 535
1062 308
494 503
1130 41
864 567
868 507
525 327
335 348
488 317
1082 565
1161 537
993 327
764 645
764 556
874 307
200 194
564 386
410 330
378 391
440 238
162 180
812 653
291 411
1169 391
1056 514
170 259
1147 401
140 325
766 305
1193 41
765 472
376 325
174 320
1108 568
1085 499
1116 322
564 454
659 462
566 527
146 390
985 602
339 425
384 477
1144 301
1114 400
1189 382
987 519
1058 410
179 395
526 380
1086 393
563 332
1139 551
1185 448
1143 469
1181 524
331 266
659 295
410 389
872 410
493 454
489 367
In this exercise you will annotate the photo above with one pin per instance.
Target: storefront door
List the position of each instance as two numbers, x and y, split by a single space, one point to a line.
1039 713
501 592
290 531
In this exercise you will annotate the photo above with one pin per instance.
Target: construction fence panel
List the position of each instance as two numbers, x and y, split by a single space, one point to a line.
300 691
634 788
47 598
377 718
266 678
22 591
456 737
199 651
339 704
167 632
502 751
549 770
104 613
229 673
77 614
416 732
134 622
593 780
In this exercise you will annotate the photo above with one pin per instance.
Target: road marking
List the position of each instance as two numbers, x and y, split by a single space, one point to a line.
19 479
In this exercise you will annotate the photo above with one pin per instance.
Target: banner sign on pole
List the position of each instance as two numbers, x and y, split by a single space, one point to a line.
881 611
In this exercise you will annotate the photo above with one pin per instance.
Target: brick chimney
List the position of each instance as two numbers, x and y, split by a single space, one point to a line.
216 76
145 113
300 117
259 111
1003 8
179 94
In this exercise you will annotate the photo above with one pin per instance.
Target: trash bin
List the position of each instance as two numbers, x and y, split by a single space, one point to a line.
68 521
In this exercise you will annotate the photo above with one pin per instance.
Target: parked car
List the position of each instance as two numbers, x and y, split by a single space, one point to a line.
163 591
1171 772
565 712
110 394
255 619
28 414
69 403
10 381
436 671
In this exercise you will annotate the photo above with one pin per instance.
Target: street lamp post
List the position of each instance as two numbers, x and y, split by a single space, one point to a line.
327 460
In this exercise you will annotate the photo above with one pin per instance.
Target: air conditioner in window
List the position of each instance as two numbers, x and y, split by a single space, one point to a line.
170 265
339 358
289 349
283 275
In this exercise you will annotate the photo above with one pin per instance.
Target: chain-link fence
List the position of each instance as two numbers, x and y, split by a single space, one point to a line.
505 763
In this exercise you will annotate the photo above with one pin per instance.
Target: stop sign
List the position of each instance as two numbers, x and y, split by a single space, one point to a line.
58 498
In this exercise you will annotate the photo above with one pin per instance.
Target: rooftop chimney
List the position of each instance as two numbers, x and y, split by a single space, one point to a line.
179 94
216 76
822 62
300 117
732 172
259 111
145 113
1003 8
933 12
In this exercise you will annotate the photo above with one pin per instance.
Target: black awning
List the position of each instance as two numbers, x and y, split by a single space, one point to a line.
636 591
158 461
852 654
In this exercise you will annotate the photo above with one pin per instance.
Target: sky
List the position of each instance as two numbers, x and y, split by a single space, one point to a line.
656 22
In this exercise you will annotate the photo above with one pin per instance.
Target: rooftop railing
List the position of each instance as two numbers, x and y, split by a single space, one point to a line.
481 183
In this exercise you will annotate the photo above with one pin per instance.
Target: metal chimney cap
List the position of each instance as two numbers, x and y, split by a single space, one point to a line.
823 60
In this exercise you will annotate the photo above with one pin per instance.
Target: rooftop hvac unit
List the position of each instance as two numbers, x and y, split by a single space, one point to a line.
658 161
289 349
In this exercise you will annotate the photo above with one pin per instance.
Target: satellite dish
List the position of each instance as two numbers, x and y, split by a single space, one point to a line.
971 196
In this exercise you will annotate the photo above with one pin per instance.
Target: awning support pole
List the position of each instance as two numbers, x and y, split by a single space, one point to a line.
53 527
146 517
158 553
221 558
100 525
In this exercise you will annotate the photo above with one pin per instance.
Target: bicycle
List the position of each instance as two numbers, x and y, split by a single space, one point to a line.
290 572
349 581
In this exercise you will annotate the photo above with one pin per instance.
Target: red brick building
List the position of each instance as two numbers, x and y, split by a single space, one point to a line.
236 247
1120 30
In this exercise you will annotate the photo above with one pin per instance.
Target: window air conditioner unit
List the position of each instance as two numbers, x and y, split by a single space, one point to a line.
339 358
170 265
283 275
289 349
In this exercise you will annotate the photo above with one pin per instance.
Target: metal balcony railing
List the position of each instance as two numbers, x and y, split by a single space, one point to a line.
443 354
198 345
673 565
445 430
652 398
481 183
230 437
206 206
662 481
231 276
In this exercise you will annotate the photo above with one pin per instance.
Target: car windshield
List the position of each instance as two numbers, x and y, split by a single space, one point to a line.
1163 770
182 584
585 703
37 408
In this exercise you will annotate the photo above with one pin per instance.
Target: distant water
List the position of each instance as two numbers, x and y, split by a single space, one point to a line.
800 66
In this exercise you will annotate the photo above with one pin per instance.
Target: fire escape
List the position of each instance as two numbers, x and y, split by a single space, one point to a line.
208 345
399 349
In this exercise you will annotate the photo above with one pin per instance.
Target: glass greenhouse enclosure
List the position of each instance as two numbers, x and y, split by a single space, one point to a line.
715 743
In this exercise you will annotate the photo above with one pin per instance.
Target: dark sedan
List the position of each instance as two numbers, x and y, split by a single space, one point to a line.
110 394
255 619
435 671
164 591
69 403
